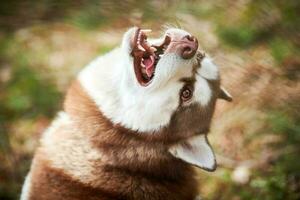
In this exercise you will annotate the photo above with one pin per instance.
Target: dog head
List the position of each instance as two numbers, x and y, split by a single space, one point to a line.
165 88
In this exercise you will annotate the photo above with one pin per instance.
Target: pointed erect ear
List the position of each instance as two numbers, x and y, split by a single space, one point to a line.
224 94
196 151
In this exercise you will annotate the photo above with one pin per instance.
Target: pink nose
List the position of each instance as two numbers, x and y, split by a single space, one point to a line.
188 47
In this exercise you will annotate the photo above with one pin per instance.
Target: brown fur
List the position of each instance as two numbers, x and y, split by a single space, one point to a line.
127 164
137 167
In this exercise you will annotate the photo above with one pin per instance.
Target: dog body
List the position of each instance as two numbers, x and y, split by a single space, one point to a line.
134 123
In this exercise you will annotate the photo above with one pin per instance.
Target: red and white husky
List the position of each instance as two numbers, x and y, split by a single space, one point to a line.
134 123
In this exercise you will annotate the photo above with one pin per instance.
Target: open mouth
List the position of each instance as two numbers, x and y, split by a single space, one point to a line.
146 56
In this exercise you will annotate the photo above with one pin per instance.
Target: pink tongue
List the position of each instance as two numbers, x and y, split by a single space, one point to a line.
149 64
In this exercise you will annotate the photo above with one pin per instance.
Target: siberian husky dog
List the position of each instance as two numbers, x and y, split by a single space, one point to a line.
134 123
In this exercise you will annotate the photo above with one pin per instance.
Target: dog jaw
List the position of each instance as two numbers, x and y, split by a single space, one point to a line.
111 82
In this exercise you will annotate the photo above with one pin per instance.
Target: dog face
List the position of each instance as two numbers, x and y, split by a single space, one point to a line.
164 85
165 79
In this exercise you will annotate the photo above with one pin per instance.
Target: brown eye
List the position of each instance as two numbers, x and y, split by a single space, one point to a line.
186 94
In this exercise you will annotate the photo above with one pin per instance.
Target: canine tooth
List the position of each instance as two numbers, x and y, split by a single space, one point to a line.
146 30
160 55
140 35
140 47
142 64
153 48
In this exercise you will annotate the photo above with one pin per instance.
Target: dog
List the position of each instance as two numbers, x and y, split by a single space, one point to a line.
134 123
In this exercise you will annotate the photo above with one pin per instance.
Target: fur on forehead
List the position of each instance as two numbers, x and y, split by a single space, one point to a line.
111 83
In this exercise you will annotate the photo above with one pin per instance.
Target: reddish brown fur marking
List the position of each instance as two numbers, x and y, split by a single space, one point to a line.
133 165
138 166
49 183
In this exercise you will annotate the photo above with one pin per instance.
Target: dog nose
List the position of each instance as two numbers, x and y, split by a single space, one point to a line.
189 47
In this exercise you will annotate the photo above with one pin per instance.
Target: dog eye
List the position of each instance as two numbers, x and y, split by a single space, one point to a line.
186 94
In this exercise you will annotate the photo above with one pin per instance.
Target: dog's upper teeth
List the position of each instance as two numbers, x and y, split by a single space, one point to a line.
160 55
153 49
146 30
140 47
142 64
139 38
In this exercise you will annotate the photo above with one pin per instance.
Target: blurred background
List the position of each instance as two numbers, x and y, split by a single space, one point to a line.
43 44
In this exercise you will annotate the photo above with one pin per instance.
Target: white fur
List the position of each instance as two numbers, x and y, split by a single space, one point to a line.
61 119
111 82
26 188
202 91
208 69
199 152
78 153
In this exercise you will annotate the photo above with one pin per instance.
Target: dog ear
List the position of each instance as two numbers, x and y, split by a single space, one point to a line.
196 151
224 94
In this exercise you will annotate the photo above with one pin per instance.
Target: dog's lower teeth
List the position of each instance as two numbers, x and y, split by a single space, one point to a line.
144 74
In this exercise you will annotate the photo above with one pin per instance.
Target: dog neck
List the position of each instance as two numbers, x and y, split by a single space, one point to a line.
123 148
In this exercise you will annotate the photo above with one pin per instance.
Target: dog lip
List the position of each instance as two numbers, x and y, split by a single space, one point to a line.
142 51
167 40
139 51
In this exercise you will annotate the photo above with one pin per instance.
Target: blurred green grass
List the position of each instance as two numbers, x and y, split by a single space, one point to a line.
43 44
